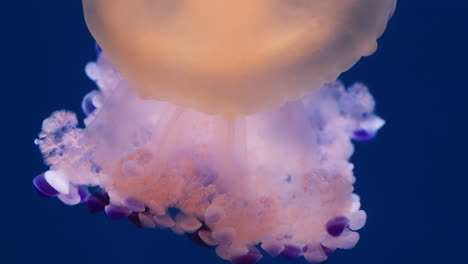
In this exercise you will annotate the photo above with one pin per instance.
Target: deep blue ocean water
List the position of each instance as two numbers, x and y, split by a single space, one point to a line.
411 178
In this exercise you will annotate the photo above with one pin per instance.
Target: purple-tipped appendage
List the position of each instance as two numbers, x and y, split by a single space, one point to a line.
116 212
83 193
43 187
97 201
336 225
363 135
291 251
328 251
87 104
97 48
135 219
251 257
134 204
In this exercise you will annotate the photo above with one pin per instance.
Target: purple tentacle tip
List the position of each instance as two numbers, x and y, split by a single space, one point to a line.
117 212
363 135
43 187
195 237
336 225
97 202
94 204
97 48
291 252
135 219
328 251
83 192
134 204
251 257
87 104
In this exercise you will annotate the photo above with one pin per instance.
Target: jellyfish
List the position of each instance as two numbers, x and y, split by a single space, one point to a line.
222 120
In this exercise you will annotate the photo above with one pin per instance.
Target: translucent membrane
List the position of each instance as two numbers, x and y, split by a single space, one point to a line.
235 56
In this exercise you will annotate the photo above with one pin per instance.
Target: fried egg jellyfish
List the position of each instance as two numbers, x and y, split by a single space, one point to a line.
227 111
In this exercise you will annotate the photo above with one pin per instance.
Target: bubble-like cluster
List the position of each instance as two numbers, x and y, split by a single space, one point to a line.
277 181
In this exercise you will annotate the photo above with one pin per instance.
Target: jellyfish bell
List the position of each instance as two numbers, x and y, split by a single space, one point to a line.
237 56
